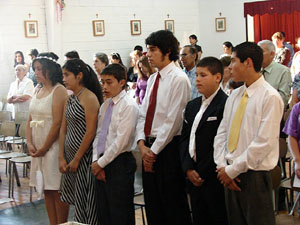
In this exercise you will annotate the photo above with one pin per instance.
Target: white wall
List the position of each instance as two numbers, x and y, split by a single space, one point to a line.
75 30
12 36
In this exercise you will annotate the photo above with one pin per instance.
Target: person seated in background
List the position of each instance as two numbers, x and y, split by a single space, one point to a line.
115 58
227 47
282 54
193 41
145 70
100 61
72 55
290 47
33 53
20 90
202 117
224 85
19 59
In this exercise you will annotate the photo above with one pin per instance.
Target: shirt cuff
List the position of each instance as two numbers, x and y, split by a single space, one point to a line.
101 162
231 172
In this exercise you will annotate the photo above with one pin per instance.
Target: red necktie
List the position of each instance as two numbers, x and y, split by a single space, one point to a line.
151 107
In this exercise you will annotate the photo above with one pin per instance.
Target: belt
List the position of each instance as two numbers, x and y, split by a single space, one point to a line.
150 140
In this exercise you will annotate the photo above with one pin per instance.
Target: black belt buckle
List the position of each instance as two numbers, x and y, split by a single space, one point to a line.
150 140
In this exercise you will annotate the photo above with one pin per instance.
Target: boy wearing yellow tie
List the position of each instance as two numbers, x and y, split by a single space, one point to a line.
246 147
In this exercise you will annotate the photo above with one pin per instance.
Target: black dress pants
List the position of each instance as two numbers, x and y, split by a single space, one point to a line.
164 190
115 196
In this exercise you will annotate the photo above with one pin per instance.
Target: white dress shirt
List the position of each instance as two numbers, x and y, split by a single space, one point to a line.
172 96
121 132
20 88
258 144
205 103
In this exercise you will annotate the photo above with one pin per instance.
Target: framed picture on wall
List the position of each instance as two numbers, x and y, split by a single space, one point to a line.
220 24
98 27
31 28
135 26
169 25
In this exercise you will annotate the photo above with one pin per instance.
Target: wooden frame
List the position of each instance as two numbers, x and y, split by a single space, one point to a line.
169 25
135 26
220 24
98 27
31 28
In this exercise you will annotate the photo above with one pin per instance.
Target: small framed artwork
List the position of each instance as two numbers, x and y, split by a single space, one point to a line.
169 25
31 28
220 24
98 27
135 26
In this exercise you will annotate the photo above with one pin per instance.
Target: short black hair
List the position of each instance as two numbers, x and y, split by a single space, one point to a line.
193 36
225 60
72 55
34 52
193 50
166 42
250 50
138 47
213 65
116 70
228 44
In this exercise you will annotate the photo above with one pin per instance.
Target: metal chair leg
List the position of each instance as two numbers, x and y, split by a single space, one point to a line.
295 203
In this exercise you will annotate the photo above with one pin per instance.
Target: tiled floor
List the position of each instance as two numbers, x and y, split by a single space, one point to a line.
31 210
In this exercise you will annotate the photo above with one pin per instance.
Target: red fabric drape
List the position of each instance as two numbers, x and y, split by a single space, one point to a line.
271 7
266 25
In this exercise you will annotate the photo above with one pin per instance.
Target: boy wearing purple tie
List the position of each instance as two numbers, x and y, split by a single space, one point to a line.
113 163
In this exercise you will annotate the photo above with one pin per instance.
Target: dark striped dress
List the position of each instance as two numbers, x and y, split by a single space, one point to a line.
78 188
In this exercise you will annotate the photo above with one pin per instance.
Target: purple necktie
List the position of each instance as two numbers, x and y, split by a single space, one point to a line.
104 129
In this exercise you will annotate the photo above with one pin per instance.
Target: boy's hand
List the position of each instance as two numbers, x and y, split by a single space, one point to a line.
227 181
194 178
98 171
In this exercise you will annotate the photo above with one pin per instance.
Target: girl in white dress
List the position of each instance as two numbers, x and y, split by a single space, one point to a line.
45 116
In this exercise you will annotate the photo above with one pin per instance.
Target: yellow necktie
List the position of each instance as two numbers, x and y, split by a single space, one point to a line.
236 124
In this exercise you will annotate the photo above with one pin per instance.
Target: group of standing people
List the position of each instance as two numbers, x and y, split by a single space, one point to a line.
221 149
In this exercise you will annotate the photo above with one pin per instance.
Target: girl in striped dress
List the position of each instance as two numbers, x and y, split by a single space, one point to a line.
76 137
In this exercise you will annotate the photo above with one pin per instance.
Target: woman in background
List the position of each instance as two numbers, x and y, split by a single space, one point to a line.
19 59
45 117
227 47
116 58
144 72
77 133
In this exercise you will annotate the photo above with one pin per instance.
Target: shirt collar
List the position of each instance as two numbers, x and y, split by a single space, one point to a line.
253 87
117 98
269 67
192 71
210 98
165 71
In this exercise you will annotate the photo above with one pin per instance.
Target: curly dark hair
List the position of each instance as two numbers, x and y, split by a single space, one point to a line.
166 42
89 80
53 68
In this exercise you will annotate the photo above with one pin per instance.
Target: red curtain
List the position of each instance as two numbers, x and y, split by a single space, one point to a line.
275 15
266 25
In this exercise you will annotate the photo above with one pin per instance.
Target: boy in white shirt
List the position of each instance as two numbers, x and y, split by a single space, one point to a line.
114 165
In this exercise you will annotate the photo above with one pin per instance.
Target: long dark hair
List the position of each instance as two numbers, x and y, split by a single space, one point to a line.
21 54
48 62
89 80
